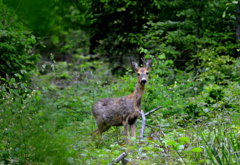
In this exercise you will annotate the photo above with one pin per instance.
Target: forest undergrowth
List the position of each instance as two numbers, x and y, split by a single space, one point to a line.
197 124
45 106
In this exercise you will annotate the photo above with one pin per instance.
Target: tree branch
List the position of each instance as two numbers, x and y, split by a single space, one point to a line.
118 159
153 110
143 124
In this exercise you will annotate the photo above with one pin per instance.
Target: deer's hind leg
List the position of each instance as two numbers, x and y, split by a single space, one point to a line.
100 130
102 127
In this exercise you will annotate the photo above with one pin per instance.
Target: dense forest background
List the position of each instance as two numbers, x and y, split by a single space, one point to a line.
58 57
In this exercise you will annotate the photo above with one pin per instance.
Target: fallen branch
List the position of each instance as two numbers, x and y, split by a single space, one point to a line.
153 110
143 124
118 159
125 161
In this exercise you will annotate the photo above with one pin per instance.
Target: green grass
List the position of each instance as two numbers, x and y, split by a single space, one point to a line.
53 125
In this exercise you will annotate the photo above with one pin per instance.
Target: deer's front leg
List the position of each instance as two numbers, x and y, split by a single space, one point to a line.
133 129
125 124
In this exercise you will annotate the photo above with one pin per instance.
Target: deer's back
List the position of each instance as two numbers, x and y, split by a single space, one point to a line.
115 110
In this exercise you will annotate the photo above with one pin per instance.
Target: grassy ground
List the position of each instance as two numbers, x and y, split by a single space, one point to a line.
53 124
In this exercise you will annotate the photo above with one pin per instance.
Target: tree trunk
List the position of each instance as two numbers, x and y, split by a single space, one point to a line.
141 58
198 35
238 26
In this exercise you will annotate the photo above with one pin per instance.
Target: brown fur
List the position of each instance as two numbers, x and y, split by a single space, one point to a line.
122 111
115 102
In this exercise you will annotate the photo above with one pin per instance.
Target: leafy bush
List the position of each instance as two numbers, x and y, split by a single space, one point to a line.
15 47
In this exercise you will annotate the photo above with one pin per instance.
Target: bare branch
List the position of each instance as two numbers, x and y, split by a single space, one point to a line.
153 110
118 159
125 161
143 124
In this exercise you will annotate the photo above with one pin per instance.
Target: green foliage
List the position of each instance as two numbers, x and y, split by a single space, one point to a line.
195 78
222 145
15 46
59 120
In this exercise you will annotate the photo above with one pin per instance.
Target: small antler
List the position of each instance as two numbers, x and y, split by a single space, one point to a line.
143 60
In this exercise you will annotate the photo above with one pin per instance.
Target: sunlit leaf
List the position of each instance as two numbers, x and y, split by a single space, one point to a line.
198 149
184 139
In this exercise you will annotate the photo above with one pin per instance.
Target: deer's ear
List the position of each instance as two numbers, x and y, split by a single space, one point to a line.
134 66
149 64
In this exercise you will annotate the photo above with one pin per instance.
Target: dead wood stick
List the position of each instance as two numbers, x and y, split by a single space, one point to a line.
147 124
153 110
144 120
125 161
143 124
118 159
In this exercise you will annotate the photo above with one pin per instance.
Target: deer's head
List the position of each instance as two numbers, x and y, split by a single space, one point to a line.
142 72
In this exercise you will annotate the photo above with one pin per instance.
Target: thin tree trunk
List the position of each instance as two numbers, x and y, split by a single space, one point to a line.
238 26
141 58
198 35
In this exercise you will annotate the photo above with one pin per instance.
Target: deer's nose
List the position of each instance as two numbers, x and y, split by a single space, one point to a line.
143 81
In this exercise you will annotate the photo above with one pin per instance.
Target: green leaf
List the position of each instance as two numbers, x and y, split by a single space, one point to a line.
22 85
171 142
39 92
224 14
3 88
170 61
162 56
51 56
184 139
38 97
20 77
198 149
13 80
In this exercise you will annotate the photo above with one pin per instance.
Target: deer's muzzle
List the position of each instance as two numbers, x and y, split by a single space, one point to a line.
143 81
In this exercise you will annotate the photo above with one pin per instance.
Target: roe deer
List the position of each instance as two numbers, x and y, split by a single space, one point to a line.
122 111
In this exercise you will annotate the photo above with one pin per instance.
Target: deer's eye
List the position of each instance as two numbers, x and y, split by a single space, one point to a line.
138 74
147 73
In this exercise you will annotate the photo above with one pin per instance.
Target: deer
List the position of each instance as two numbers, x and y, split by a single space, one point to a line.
125 110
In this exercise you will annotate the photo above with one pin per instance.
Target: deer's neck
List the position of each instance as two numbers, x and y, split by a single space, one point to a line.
138 94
